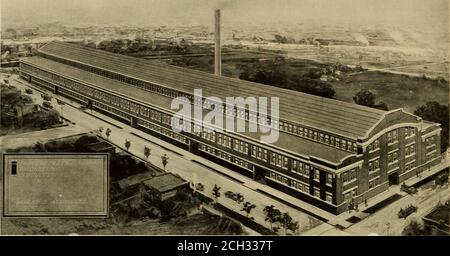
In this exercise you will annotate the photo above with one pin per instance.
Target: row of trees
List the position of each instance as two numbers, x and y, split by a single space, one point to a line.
367 98
127 144
273 215
275 72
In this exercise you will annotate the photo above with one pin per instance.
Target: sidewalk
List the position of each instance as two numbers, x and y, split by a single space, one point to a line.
425 174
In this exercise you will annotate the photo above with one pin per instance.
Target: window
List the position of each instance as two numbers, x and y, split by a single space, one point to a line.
345 177
316 174
307 168
343 144
349 145
285 162
294 166
317 192
321 138
306 189
329 179
328 197
392 136
279 160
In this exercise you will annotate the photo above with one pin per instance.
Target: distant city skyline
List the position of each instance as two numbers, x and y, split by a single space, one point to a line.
429 13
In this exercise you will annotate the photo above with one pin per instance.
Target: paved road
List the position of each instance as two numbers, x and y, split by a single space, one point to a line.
386 221
178 164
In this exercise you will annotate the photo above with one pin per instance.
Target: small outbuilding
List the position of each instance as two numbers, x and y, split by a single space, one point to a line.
166 185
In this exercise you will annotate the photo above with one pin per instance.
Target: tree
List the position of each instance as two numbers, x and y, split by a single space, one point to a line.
293 226
364 97
272 214
216 192
414 228
270 72
275 72
164 160
382 105
247 207
127 144
287 223
435 112
311 86
147 152
108 132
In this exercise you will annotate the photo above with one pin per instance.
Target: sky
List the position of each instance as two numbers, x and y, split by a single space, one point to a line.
429 13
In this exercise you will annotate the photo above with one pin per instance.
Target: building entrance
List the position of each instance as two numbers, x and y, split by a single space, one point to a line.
393 178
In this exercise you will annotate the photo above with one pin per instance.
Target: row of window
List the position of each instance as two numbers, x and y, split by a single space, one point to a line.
430 141
410 131
259 153
392 157
374 145
349 176
221 139
349 195
374 165
225 156
300 186
111 110
240 113
410 149
392 136
167 132
317 136
374 182
411 165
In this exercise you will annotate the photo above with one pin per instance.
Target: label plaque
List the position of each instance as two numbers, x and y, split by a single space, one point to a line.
55 185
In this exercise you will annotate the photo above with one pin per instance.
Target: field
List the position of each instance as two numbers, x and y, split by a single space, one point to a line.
396 90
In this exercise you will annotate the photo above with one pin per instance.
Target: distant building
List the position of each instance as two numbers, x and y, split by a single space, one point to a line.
438 219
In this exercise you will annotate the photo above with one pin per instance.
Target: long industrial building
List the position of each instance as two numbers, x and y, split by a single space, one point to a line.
331 154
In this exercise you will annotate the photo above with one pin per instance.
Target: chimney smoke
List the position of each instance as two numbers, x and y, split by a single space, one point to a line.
217 46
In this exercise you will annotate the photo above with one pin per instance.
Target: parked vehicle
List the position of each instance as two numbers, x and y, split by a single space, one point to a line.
408 189
28 91
404 213
229 194
199 187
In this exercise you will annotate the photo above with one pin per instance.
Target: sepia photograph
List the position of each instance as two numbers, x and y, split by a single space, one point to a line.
224 118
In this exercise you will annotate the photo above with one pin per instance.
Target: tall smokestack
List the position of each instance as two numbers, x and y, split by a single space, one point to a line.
217 48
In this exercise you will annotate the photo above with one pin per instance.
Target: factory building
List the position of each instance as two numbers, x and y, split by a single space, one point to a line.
329 153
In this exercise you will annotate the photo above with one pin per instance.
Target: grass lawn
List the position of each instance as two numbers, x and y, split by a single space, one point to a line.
199 224
398 91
